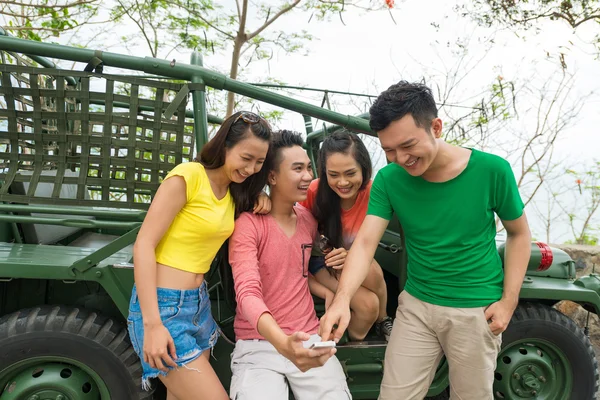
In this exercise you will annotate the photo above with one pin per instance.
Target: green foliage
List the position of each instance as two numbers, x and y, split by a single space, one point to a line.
246 29
585 239
525 14
41 19
496 106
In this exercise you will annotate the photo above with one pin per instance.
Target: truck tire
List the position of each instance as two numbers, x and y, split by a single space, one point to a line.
542 350
67 351
545 355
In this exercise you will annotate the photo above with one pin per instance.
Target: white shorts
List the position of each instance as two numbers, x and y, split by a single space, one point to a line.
260 372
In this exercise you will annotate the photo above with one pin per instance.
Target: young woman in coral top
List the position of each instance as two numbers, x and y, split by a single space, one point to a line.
339 201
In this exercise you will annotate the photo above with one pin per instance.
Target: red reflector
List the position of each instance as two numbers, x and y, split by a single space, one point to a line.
547 256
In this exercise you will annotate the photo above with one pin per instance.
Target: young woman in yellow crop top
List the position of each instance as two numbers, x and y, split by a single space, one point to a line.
191 216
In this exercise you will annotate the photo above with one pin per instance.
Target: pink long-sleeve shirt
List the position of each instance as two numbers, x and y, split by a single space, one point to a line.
269 274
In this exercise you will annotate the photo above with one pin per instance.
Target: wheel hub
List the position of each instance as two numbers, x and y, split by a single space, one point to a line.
51 381
526 371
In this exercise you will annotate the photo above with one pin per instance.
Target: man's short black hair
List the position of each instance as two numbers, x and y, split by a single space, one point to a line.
284 139
401 99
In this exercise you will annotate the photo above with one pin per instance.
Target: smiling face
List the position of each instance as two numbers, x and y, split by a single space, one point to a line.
411 146
344 175
290 179
245 158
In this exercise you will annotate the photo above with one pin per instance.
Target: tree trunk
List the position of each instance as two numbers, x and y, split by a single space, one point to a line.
239 41
235 58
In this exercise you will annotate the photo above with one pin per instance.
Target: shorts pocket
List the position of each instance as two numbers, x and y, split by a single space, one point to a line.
203 316
167 313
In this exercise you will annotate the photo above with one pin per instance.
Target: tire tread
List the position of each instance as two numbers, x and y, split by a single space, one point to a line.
104 331
532 310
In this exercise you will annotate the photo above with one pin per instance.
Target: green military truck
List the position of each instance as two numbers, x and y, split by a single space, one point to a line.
82 152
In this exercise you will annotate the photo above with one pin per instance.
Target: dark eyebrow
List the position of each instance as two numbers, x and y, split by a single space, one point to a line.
346 171
251 156
298 164
407 142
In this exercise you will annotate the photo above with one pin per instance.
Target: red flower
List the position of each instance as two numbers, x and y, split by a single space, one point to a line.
578 181
390 3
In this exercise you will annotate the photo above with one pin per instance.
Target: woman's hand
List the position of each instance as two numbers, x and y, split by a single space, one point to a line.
335 258
159 348
262 205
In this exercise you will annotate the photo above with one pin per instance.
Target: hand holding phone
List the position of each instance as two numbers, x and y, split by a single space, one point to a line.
322 345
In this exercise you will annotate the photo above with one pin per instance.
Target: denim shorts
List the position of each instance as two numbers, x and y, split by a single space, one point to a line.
187 316
315 264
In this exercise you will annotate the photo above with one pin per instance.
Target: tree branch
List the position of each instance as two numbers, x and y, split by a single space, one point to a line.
197 14
273 19
237 5
140 25
586 19
68 5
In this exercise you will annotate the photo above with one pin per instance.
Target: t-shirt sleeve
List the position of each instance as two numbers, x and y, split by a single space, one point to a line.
508 203
190 172
379 201
309 202
243 258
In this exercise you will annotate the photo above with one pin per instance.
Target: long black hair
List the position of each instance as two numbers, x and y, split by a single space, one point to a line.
327 206
233 130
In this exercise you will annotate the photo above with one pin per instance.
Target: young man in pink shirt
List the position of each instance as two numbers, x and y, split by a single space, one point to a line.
275 321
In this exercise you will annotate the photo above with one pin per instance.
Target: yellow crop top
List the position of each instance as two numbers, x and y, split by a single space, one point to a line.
201 226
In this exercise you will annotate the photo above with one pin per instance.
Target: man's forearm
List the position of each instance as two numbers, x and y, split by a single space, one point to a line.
360 256
356 268
270 330
517 254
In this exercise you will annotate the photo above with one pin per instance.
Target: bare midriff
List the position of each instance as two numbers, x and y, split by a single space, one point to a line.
173 278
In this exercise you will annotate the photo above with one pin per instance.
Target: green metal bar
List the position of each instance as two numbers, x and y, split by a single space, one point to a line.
327 129
199 106
15 231
70 222
308 124
104 252
274 86
44 62
137 215
212 119
372 96
187 72
369 368
13 227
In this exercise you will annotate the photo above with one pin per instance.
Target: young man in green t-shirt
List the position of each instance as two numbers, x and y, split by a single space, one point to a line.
457 299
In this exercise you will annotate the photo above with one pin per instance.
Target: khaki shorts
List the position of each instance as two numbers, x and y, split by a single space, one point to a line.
422 334
261 373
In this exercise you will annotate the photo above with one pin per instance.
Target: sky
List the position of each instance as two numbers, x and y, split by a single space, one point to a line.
370 51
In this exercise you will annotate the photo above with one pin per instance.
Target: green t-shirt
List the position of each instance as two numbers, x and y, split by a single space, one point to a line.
449 228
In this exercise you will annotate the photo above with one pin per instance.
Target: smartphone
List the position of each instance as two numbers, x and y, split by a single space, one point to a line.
323 345
324 244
